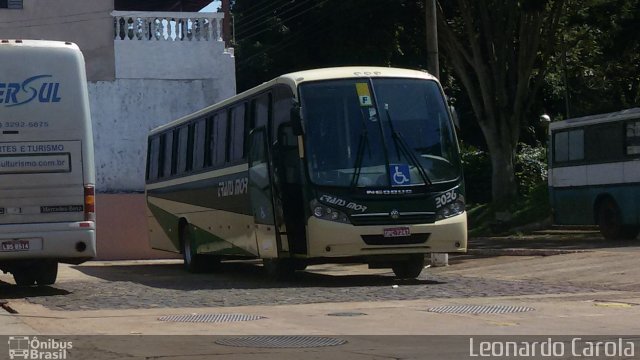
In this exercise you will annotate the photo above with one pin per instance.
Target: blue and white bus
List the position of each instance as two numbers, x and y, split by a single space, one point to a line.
594 172
47 175
326 165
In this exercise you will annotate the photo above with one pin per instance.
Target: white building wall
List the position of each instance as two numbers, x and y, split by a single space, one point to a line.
124 111
158 79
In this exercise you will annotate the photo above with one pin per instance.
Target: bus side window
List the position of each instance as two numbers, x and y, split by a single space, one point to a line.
183 138
161 156
168 154
174 151
218 138
208 142
153 158
282 104
199 144
236 133
632 138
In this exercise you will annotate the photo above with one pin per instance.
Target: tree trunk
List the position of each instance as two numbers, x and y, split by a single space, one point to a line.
503 181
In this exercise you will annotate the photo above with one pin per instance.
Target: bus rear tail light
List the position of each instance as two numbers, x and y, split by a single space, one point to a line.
89 203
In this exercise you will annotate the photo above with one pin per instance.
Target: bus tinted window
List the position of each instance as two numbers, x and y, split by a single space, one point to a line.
236 133
174 151
604 143
218 138
183 138
282 103
262 110
199 143
153 158
168 152
632 139
568 146
161 156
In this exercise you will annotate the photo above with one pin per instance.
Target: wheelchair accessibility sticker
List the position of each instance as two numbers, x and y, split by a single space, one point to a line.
400 174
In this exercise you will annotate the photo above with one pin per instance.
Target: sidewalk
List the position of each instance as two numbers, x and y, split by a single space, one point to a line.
553 241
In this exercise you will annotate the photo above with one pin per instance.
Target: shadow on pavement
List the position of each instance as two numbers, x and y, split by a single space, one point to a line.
557 241
235 275
11 291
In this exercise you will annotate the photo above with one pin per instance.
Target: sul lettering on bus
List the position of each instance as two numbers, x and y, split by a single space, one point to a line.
233 187
37 88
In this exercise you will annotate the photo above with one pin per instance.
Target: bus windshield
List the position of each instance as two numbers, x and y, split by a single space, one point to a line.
378 132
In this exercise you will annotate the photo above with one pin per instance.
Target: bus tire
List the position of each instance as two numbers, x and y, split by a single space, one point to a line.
409 268
46 273
193 262
279 269
610 220
631 232
24 276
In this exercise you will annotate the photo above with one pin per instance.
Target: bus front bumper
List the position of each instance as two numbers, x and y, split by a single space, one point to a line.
333 239
65 242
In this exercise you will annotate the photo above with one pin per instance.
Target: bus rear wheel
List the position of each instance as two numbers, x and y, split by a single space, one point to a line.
24 276
46 273
279 269
610 222
409 268
193 262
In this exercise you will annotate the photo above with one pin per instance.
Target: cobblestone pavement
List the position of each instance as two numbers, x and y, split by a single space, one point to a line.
238 284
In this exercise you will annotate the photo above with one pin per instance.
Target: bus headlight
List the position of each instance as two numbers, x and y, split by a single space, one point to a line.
451 209
323 212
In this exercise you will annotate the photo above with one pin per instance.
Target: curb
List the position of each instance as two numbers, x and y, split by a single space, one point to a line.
521 252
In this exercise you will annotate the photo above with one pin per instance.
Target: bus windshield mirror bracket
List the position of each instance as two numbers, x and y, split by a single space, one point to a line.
296 120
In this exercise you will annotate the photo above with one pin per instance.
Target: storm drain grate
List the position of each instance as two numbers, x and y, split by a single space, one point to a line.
294 341
479 309
210 318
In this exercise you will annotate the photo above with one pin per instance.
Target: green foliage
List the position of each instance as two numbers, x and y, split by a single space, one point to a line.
530 171
527 210
530 168
597 67
477 174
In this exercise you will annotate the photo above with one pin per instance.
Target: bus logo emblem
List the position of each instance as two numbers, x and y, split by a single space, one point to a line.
395 214
33 88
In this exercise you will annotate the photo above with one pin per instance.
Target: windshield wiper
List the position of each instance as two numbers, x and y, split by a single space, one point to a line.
403 147
364 141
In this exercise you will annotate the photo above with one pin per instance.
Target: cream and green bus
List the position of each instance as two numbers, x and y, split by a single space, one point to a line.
357 164
47 173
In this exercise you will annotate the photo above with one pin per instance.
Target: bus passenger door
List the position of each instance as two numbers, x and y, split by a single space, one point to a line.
261 194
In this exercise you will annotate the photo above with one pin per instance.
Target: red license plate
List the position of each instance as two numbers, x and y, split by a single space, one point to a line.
15 245
397 232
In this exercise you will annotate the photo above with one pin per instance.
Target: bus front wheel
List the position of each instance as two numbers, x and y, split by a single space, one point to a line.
409 268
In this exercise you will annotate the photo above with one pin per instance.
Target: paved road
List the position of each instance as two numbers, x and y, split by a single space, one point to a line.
166 285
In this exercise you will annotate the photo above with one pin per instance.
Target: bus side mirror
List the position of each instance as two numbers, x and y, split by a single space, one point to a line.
296 120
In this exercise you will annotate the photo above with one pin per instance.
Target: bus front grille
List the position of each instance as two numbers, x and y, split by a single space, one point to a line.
400 240
386 219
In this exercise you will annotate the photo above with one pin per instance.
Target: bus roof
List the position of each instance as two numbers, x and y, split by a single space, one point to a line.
596 119
38 43
295 78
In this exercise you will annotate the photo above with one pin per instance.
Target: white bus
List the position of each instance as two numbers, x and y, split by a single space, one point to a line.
327 165
594 172
47 175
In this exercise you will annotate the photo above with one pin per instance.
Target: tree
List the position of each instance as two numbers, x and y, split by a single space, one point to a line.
498 51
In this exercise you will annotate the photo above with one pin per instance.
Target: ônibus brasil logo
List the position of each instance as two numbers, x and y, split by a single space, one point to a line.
39 88
31 348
